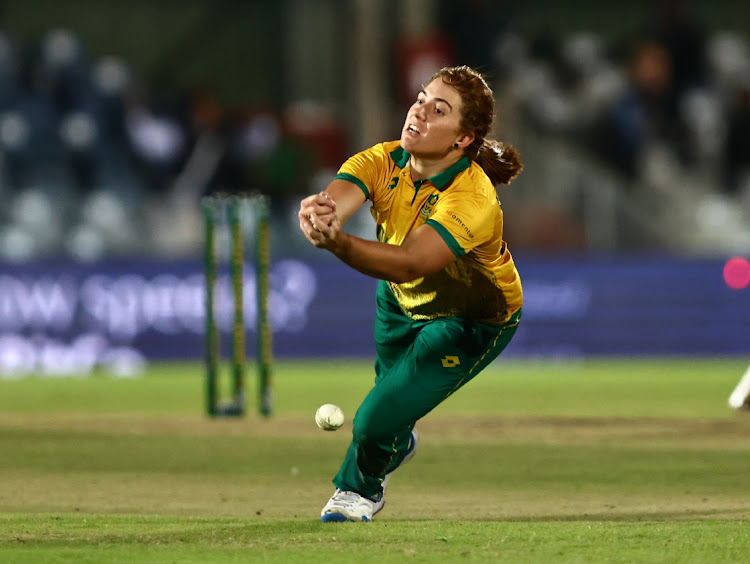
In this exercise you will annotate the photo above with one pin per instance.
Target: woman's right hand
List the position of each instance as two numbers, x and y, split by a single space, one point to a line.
320 205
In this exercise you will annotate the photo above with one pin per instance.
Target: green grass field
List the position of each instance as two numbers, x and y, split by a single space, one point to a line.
597 461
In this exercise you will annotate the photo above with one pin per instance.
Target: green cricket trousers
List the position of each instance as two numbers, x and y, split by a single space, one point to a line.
419 364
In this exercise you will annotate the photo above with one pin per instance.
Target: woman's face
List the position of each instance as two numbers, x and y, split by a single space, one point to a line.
432 123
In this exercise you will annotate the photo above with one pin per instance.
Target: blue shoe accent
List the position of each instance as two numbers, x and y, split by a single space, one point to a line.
410 451
413 440
333 518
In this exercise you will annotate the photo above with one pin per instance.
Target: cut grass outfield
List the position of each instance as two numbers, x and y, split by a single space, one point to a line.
612 460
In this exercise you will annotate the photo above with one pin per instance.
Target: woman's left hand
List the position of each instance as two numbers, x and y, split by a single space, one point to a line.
320 204
320 233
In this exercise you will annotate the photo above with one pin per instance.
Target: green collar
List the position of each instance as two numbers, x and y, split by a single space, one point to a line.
441 180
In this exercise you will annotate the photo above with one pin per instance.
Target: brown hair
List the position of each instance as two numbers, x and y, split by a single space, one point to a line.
501 163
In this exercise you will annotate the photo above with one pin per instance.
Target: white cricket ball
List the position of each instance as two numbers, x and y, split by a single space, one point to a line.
329 417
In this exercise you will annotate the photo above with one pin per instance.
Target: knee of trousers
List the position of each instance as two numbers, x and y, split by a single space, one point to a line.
370 428
365 432
373 440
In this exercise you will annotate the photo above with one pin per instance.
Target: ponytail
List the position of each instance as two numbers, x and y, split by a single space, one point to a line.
502 164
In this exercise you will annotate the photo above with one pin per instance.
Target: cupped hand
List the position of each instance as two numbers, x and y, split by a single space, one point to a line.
321 204
320 233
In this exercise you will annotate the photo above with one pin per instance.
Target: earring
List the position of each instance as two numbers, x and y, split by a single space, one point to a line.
455 145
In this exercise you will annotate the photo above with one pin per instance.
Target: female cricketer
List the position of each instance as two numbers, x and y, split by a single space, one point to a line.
449 298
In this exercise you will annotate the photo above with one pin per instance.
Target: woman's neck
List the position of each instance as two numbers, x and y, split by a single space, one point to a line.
422 168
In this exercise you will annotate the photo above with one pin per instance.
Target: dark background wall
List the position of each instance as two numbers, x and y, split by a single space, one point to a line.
233 45
238 46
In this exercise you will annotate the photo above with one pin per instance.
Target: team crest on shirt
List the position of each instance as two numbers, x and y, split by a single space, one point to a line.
429 205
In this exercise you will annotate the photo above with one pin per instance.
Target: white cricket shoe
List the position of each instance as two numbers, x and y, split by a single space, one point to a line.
413 446
350 506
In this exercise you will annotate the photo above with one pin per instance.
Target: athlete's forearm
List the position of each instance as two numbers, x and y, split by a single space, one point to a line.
379 260
423 251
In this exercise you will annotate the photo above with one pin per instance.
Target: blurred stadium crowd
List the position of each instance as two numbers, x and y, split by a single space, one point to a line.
665 109
95 165
649 137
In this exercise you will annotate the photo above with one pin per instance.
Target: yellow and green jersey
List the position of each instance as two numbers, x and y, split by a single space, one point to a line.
461 204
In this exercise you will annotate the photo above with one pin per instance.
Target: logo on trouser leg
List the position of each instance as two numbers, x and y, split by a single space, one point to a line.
450 361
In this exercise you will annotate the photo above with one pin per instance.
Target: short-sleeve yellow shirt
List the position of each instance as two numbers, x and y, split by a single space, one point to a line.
461 204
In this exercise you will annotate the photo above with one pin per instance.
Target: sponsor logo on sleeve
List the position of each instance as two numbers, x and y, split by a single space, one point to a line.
458 220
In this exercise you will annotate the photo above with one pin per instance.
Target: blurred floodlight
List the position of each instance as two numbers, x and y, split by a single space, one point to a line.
658 165
111 75
155 139
14 130
603 87
60 48
583 52
16 244
33 209
717 212
105 211
260 136
535 79
78 130
553 110
703 113
85 244
728 56
721 221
